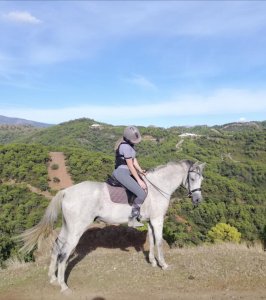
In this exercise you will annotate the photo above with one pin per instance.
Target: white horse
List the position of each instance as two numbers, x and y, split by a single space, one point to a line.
82 203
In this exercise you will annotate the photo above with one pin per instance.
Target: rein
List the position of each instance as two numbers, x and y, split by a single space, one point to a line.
190 192
158 189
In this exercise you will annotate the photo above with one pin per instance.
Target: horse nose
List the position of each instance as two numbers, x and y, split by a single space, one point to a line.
196 198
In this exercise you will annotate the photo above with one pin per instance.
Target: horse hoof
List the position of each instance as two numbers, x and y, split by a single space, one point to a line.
153 263
66 291
54 282
165 266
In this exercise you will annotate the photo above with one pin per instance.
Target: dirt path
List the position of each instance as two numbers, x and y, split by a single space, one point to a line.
58 158
110 265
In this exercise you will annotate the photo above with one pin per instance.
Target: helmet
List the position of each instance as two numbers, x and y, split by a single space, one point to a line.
132 134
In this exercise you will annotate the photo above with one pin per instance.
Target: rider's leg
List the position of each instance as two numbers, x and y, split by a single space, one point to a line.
123 176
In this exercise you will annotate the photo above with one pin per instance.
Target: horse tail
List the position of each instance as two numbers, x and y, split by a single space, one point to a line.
31 237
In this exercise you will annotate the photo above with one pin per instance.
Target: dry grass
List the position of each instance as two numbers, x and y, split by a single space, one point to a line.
14 263
119 271
227 263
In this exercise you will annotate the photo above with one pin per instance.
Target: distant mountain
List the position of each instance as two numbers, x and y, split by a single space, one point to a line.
241 126
16 121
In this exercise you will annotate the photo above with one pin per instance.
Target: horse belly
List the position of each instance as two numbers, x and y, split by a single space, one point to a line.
113 213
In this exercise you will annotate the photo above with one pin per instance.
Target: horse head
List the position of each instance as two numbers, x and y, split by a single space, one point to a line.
193 182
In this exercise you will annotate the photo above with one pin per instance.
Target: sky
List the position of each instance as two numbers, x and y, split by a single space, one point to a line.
161 63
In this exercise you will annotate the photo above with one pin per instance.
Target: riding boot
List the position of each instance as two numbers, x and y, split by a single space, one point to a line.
133 220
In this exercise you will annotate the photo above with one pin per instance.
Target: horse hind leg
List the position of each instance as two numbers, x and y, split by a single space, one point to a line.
70 244
65 252
53 266
58 244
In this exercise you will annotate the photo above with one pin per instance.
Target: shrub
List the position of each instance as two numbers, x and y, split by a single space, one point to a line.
56 179
224 232
54 166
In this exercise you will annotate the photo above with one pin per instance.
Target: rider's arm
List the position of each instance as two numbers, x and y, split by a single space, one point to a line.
134 172
138 167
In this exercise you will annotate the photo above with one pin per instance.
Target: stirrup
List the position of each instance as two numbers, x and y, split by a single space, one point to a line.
133 222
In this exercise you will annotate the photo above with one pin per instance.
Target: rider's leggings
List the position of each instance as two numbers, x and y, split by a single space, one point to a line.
123 175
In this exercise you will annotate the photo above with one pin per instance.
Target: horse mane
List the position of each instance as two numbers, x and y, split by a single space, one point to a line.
186 161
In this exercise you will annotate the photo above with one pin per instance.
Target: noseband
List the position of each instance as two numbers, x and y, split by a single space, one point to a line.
190 192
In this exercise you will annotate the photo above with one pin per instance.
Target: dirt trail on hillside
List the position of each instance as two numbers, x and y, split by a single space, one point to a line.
58 158
111 264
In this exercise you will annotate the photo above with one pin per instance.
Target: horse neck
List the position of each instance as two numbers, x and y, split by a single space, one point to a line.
169 177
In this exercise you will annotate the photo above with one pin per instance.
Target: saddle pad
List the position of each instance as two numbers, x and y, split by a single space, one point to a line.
120 195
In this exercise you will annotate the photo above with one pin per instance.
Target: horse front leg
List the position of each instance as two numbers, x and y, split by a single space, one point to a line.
157 225
151 244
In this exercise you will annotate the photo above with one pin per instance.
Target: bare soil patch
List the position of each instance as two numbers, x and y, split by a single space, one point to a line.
58 158
110 263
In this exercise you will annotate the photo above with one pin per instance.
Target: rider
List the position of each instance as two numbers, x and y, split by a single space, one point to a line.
127 171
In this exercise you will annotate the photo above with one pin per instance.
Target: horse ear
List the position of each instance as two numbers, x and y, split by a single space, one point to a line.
195 165
201 166
198 166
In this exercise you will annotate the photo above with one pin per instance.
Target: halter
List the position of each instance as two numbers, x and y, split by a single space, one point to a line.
190 192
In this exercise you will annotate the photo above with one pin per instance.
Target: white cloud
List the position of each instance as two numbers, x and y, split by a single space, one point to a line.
141 81
21 17
242 120
220 102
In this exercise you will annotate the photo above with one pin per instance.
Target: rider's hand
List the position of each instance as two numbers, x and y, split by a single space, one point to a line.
142 184
143 172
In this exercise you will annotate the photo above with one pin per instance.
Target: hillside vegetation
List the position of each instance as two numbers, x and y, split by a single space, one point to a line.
234 187
11 133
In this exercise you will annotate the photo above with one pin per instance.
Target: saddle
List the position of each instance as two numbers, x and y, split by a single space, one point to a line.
118 193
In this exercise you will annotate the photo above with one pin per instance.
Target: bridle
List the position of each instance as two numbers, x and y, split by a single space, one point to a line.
190 192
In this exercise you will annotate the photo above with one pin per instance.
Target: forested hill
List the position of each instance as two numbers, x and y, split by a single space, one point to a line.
234 187
95 136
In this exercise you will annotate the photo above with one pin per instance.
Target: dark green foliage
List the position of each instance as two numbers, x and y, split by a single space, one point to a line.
85 165
24 163
19 209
